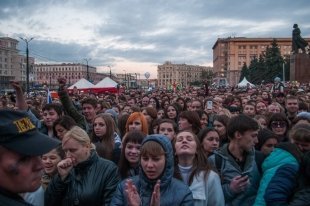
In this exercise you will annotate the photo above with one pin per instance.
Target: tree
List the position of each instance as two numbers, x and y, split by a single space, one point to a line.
244 72
273 62
207 75
267 66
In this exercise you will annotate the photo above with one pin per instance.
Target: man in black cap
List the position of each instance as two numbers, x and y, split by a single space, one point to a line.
21 146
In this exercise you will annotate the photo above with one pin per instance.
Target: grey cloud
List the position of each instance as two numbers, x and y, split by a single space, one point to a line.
193 26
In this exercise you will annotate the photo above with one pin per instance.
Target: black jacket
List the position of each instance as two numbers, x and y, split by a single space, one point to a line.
10 199
91 182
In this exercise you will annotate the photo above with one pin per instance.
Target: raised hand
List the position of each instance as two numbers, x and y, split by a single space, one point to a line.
155 201
64 167
16 85
133 197
62 81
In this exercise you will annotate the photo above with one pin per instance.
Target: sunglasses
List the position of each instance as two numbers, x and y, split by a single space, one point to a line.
278 124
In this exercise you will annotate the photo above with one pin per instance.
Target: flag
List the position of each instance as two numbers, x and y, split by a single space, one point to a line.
49 97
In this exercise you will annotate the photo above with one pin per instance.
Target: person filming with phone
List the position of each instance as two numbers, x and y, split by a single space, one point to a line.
235 162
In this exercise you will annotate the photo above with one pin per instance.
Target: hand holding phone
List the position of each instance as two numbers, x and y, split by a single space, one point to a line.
209 104
245 174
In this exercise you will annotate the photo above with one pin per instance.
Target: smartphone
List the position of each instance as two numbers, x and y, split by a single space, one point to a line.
209 104
245 174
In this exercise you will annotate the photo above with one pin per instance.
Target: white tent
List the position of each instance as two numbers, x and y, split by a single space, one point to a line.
106 83
244 83
82 84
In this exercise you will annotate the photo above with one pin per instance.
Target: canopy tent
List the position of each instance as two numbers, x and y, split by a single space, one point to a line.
82 85
105 85
245 83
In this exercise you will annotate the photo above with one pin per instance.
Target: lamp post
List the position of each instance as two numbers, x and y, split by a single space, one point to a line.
110 71
87 69
27 61
125 78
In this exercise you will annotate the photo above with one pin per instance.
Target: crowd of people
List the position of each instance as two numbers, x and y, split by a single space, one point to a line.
196 146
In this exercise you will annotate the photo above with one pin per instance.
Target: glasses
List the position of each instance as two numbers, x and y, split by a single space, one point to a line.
278 124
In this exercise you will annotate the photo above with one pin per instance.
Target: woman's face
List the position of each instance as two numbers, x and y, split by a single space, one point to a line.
153 166
181 103
153 103
147 117
76 151
211 142
279 127
185 144
204 120
261 108
262 122
132 153
100 127
269 145
166 104
60 131
160 114
184 124
171 112
50 161
219 127
135 125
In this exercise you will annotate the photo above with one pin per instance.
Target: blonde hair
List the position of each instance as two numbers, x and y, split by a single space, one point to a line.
79 135
225 111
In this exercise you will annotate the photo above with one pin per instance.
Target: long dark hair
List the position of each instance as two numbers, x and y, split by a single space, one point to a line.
133 137
193 118
200 162
105 144
66 122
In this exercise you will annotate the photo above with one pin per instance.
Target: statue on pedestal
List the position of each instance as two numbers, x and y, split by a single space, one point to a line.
297 41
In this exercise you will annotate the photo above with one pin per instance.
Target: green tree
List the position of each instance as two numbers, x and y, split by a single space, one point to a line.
267 66
244 72
273 62
207 75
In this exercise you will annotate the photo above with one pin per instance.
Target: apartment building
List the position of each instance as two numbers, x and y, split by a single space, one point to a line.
13 65
169 74
47 74
229 54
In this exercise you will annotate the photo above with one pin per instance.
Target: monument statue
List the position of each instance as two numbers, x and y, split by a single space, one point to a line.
297 41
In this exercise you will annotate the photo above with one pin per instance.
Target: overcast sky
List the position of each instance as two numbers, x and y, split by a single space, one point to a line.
138 35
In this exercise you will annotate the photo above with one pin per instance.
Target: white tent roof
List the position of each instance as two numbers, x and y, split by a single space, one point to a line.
106 83
244 83
82 84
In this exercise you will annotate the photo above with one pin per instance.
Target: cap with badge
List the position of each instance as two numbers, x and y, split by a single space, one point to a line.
19 134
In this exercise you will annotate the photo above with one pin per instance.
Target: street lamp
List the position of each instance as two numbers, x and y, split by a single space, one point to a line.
87 70
125 77
110 71
27 61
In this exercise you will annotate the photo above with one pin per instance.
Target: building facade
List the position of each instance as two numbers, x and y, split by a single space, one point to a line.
13 65
179 74
47 74
229 54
